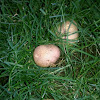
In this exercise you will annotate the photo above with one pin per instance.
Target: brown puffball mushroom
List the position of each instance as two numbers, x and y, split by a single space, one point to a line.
68 29
46 55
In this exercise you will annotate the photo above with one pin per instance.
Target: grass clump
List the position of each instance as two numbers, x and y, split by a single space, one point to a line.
26 24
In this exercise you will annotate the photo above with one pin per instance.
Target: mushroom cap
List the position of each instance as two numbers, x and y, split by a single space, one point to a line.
46 55
68 29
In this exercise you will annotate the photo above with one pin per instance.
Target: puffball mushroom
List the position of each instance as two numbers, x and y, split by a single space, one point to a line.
46 55
68 30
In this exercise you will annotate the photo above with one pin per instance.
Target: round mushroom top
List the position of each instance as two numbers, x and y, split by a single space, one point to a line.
68 29
46 55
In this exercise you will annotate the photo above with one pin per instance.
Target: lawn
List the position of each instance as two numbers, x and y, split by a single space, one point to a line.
26 24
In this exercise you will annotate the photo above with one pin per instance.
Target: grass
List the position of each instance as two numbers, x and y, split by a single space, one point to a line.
25 24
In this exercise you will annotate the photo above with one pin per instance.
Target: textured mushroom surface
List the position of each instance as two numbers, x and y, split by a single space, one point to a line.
68 30
46 55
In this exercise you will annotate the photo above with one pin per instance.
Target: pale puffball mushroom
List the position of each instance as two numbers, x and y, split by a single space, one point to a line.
68 30
46 55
